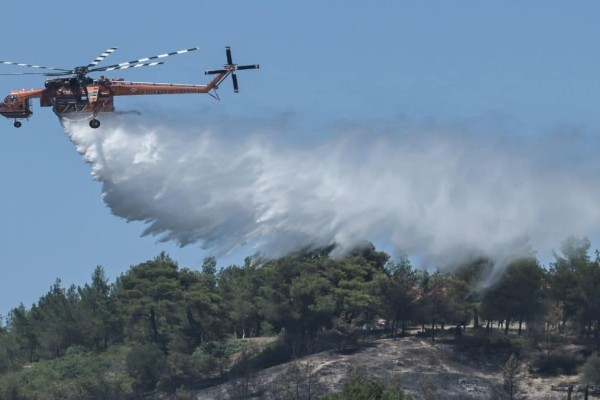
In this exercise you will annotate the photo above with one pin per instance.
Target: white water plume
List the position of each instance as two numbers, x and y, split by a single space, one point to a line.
444 195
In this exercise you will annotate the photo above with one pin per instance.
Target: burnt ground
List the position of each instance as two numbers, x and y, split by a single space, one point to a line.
425 370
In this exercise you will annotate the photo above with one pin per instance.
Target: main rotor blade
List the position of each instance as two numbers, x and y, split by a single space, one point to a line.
31 73
102 56
34 66
133 66
142 60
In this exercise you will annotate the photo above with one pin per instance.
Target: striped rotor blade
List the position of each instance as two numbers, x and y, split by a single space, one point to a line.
152 64
59 73
30 73
143 60
101 57
34 66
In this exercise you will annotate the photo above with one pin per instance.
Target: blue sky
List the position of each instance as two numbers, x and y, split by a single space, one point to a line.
525 67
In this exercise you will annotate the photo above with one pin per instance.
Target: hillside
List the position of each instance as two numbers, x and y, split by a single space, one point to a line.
426 370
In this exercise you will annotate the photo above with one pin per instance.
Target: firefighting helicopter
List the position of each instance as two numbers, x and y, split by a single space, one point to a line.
71 92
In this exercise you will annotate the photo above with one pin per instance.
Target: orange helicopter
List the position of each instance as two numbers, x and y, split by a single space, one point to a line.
72 92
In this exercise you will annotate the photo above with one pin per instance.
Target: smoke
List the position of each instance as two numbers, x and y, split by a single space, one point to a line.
442 194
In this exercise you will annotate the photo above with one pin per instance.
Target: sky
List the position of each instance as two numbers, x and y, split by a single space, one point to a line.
490 86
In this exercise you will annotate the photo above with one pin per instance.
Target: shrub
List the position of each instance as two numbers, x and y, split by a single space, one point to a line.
489 341
185 394
178 371
145 363
253 359
78 375
360 387
591 369
557 362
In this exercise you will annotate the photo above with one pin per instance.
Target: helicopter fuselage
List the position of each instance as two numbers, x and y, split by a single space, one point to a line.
72 91
68 96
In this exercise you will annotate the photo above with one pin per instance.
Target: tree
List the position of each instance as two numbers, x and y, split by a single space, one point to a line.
518 294
399 294
464 290
588 281
312 307
295 296
356 281
435 305
22 326
150 296
98 318
238 287
56 320
563 277
203 305
512 373
272 293
9 350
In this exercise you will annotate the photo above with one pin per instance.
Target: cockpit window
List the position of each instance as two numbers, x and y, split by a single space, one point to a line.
10 99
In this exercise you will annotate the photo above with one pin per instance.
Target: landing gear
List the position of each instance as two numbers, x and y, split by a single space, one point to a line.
94 123
17 124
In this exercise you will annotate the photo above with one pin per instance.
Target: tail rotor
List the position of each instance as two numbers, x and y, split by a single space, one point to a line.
231 68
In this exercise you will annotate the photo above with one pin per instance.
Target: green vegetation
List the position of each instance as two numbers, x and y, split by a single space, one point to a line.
78 374
162 327
361 387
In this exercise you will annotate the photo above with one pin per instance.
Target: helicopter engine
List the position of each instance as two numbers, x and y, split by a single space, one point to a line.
67 82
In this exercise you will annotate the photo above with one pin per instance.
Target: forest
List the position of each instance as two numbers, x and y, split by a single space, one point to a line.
161 328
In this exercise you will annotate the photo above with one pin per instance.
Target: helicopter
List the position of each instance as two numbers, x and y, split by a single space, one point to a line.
71 92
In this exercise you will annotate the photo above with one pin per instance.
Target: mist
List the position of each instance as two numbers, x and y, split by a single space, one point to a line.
445 194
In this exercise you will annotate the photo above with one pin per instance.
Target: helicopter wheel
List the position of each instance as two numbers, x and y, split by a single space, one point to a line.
94 123
17 124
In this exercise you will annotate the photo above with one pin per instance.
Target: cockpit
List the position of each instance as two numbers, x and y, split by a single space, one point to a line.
15 107
8 101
